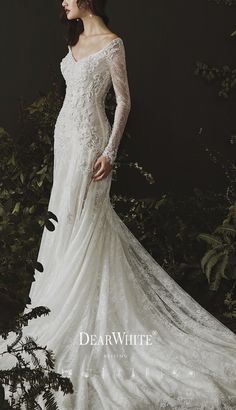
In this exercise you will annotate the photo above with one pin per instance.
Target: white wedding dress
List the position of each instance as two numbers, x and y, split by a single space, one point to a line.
99 279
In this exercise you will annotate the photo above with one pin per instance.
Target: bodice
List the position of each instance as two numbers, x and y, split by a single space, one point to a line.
88 81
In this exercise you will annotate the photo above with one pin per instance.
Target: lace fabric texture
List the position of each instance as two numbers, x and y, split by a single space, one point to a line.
99 279
117 67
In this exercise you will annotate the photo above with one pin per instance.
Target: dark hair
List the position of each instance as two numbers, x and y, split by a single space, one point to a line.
74 28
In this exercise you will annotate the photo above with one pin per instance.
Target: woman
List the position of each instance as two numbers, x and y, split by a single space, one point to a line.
124 331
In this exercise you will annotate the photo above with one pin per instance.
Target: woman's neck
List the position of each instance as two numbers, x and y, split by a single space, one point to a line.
93 26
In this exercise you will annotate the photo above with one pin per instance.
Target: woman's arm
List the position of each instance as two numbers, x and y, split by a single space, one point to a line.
117 66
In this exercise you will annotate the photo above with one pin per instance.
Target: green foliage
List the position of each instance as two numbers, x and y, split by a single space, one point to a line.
168 228
220 260
26 166
227 166
231 304
29 380
225 75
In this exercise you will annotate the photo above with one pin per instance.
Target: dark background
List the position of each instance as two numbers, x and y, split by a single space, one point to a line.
163 41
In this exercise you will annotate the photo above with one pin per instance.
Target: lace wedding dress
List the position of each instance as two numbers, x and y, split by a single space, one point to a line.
100 282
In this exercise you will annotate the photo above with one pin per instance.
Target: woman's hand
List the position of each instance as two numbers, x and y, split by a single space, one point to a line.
104 167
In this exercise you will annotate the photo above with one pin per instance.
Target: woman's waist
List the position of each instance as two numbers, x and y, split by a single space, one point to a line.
83 128
86 117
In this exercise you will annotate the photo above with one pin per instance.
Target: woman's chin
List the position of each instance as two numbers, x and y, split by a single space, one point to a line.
70 17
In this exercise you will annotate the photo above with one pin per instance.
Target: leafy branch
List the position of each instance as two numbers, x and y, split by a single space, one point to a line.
220 260
28 380
225 74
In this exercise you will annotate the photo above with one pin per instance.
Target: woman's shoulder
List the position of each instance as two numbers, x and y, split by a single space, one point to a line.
113 35
109 39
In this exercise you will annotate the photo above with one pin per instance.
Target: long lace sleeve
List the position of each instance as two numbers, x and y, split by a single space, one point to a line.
117 65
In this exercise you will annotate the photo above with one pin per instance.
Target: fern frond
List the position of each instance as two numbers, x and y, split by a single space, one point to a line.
215 283
210 239
227 230
35 360
50 359
222 266
212 262
209 254
49 401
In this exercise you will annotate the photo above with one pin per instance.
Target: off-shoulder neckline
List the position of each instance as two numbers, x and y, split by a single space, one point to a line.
95 53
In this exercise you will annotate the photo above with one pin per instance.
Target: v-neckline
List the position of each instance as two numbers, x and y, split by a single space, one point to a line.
92 54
